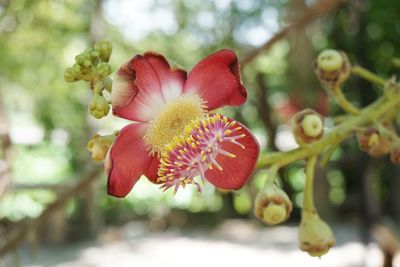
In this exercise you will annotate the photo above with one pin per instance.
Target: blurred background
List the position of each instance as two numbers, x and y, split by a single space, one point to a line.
54 210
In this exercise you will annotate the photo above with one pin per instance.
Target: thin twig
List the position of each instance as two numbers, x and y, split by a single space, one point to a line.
312 13
19 233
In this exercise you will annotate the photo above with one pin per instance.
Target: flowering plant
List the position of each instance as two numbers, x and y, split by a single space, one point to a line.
175 136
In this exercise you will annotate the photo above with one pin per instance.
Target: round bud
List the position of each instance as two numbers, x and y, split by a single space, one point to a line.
332 67
307 127
98 107
395 155
275 213
312 125
373 143
330 60
99 146
272 205
315 235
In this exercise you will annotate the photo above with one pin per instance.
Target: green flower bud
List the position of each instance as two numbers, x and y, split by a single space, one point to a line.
98 107
332 67
373 143
70 76
272 205
307 127
104 48
76 68
103 69
99 146
80 59
87 63
315 235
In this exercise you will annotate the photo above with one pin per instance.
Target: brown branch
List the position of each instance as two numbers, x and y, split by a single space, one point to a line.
5 149
264 110
312 13
18 234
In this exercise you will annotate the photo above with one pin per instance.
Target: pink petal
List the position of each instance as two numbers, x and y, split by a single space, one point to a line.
143 85
216 79
152 169
236 171
127 160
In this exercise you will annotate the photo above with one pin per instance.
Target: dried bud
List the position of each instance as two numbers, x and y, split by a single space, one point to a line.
307 126
332 67
98 107
99 146
373 143
273 205
315 235
395 155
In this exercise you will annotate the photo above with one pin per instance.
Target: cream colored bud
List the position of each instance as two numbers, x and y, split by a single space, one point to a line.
312 125
307 127
99 145
272 205
332 67
315 235
98 107
330 60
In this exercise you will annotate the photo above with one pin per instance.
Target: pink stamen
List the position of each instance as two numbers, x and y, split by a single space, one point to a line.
196 151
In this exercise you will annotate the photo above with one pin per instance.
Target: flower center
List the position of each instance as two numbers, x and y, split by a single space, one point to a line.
196 150
172 120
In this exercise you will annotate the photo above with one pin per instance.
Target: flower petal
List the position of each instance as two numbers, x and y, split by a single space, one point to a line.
152 169
143 85
236 171
127 160
216 79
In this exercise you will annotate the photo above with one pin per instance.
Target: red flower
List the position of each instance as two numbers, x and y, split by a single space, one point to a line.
175 137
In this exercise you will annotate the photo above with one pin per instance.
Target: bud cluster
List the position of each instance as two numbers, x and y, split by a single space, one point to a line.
92 66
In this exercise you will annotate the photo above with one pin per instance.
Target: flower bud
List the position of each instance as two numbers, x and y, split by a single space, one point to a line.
373 143
272 205
395 155
332 67
104 48
98 107
103 69
307 127
99 146
70 76
315 235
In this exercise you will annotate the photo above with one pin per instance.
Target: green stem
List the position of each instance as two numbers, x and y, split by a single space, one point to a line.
308 200
271 174
368 75
343 103
342 131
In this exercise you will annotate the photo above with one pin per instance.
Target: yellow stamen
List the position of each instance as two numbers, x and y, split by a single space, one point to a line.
171 122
